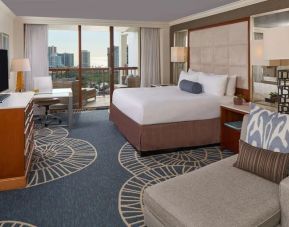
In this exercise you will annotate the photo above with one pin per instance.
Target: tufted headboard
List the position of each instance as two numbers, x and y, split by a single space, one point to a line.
222 49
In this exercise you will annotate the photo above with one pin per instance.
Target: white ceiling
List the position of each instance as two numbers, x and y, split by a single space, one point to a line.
140 10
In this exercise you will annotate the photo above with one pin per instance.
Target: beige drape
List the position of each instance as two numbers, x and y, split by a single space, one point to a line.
150 56
36 49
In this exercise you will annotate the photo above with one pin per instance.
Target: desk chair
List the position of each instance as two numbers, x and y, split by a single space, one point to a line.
44 85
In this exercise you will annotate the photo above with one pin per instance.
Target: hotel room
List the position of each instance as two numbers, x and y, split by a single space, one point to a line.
155 113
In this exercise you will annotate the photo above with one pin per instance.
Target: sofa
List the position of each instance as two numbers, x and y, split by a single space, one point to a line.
218 195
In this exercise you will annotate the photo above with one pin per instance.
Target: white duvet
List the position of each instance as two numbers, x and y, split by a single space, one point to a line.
169 104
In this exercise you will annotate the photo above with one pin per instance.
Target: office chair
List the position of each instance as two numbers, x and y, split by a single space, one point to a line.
44 86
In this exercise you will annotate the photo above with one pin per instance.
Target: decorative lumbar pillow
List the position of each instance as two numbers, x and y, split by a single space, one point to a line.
270 165
268 130
213 84
190 86
231 85
186 76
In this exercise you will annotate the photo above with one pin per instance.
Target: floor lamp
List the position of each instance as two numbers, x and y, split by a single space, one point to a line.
179 57
20 66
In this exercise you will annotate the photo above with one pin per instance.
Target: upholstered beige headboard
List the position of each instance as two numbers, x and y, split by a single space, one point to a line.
223 49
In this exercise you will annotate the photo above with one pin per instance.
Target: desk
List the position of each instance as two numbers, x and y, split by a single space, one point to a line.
60 93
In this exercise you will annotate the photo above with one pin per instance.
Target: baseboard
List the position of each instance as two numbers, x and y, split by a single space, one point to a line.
12 183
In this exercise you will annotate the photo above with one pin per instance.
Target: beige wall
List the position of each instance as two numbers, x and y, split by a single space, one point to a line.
11 26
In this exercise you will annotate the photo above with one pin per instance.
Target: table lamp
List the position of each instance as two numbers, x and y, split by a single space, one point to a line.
20 65
179 58
178 54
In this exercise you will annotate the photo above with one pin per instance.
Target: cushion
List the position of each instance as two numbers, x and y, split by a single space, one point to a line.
190 86
213 84
270 165
215 195
186 76
268 130
231 85
191 72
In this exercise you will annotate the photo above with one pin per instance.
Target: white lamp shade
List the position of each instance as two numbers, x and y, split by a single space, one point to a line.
276 43
20 65
178 54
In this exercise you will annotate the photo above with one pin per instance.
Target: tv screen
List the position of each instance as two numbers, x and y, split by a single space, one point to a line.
4 75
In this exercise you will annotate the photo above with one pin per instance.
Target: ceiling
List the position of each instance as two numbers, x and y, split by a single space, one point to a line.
134 10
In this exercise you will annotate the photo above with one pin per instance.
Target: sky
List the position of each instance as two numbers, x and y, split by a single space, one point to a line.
96 42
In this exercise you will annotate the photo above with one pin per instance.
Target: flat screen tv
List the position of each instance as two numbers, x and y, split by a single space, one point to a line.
4 73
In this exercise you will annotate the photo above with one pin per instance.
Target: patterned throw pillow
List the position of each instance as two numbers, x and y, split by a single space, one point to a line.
270 165
268 130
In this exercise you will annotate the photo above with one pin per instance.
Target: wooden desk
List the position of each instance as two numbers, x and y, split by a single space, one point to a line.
16 140
230 137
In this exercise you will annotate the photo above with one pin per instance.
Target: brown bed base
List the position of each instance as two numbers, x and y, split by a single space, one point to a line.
166 136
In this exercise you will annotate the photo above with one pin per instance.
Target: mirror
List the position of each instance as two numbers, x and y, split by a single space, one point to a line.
268 32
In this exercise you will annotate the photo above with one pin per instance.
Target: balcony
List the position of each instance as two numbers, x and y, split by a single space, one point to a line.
95 86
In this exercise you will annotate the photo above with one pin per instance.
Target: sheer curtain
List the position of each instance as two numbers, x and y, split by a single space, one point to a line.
150 56
36 49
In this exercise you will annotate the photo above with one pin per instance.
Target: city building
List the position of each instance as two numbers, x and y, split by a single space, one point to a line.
85 58
52 56
67 59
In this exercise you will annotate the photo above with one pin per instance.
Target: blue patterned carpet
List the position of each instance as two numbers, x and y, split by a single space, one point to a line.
92 177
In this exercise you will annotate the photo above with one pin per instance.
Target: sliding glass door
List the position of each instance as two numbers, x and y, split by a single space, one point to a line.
93 61
63 59
95 73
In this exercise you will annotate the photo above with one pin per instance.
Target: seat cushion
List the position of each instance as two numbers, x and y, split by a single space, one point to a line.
218 195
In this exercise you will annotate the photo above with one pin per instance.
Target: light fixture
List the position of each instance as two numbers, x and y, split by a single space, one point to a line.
179 54
20 65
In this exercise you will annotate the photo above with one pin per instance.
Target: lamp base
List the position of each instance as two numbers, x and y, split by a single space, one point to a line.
19 82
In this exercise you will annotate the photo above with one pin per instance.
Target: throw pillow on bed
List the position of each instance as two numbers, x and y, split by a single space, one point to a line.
270 165
190 86
268 130
213 84
186 76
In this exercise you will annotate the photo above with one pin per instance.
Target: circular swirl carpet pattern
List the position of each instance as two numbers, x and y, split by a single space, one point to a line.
154 169
14 224
55 156
49 135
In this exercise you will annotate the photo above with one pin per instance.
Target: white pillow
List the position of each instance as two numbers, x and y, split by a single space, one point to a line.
213 84
231 85
186 76
190 71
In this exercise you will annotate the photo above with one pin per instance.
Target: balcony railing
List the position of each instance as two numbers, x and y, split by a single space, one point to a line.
93 76
95 82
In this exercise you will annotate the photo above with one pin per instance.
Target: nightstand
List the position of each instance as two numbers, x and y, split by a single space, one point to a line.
231 122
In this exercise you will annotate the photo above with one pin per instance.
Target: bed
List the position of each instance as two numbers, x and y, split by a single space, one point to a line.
166 117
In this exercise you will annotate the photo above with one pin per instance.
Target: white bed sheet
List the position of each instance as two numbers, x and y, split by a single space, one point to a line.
169 104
